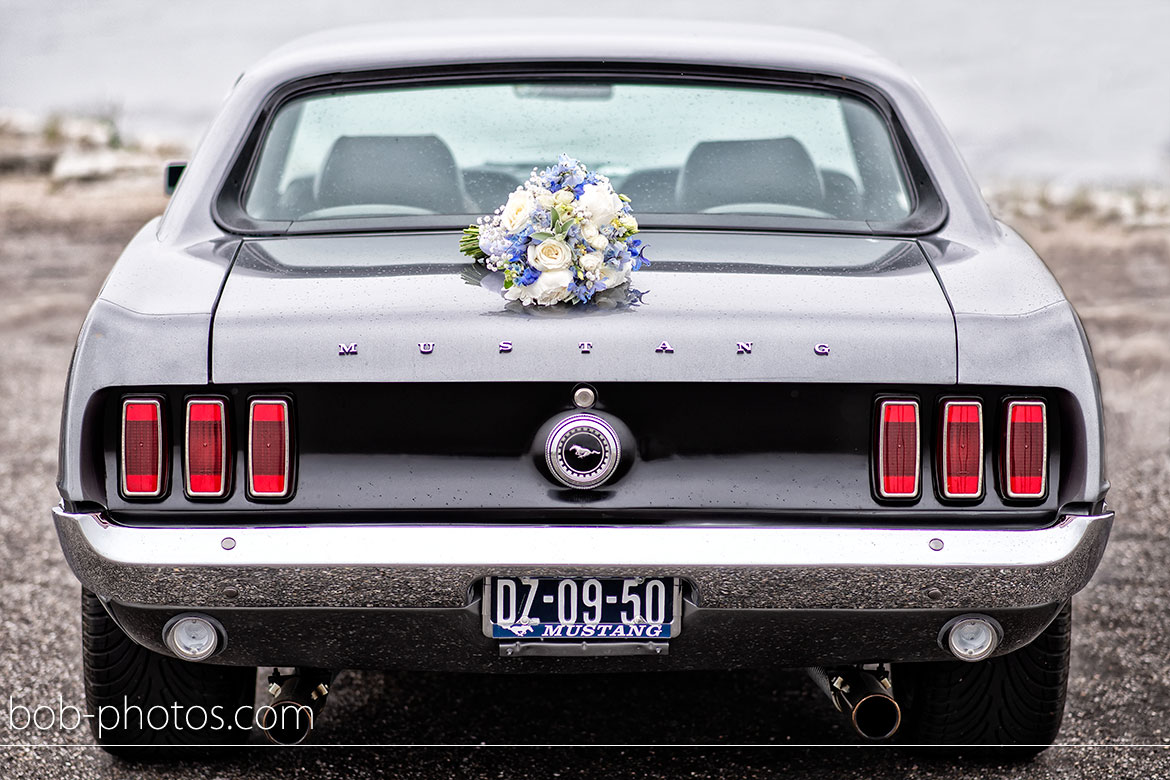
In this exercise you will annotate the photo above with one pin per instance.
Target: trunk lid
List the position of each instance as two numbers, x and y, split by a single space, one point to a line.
292 306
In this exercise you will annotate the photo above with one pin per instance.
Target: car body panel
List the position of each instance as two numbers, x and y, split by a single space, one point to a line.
1012 321
149 325
731 307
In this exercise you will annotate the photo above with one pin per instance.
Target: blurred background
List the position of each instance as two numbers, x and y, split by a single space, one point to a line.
1070 91
1062 110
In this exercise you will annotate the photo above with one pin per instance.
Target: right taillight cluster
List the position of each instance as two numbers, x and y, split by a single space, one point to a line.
960 449
206 458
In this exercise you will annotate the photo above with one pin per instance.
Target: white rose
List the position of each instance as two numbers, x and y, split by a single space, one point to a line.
552 254
601 202
549 288
612 276
563 197
545 199
518 210
593 237
592 261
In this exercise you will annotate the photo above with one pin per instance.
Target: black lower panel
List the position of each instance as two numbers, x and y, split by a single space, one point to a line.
453 639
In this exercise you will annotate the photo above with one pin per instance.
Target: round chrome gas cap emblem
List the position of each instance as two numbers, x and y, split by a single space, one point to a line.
582 451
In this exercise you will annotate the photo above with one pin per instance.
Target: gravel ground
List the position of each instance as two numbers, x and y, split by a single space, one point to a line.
57 245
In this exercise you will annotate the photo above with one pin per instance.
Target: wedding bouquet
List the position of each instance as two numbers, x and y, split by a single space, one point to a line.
563 236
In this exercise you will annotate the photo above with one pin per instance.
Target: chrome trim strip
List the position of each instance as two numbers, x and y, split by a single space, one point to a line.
439 565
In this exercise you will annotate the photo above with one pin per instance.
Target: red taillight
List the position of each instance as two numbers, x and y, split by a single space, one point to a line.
207 454
142 448
961 455
1025 449
268 448
897 457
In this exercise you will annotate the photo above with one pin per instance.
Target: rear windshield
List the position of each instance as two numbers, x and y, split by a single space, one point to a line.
670 148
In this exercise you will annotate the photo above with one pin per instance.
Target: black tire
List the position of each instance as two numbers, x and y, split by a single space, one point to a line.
121 674
1014 700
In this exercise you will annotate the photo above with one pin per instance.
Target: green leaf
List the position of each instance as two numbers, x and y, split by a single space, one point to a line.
556 217
542 236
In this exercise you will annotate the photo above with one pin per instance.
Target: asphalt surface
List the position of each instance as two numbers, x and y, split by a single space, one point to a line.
55 248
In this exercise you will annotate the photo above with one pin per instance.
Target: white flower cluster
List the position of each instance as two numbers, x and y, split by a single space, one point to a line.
563 236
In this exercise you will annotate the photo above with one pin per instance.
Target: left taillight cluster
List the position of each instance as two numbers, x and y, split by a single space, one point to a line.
959 466
207 451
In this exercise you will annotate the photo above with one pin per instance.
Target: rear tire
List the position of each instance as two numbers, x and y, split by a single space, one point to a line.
121 675
1014 700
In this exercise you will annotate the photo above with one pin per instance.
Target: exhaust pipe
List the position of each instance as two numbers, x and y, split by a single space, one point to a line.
297 700
866 698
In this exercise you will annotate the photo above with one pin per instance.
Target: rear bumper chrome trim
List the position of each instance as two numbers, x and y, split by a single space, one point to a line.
394 566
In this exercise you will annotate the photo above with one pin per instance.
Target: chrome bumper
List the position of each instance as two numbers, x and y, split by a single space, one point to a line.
439 566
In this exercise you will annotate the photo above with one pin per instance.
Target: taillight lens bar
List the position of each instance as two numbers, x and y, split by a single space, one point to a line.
961 453
143 467
269 448
206 468
1025 449
898 462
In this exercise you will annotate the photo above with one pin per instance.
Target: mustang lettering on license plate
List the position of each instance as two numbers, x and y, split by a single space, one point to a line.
581 608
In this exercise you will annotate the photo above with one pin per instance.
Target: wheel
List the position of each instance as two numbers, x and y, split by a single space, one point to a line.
141 701
1014 700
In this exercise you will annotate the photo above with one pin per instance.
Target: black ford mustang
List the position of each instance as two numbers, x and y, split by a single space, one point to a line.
851 424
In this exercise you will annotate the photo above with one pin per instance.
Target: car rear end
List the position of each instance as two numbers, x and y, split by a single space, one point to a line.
785 450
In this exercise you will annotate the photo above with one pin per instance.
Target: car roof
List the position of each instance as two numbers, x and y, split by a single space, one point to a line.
696 42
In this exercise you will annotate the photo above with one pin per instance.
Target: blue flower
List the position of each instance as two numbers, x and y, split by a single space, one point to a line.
583 291
636 248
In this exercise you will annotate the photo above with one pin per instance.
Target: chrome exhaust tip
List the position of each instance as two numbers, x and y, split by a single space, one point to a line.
877 716
864 697
297 700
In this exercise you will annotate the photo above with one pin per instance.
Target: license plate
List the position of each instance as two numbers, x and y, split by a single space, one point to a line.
581 608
